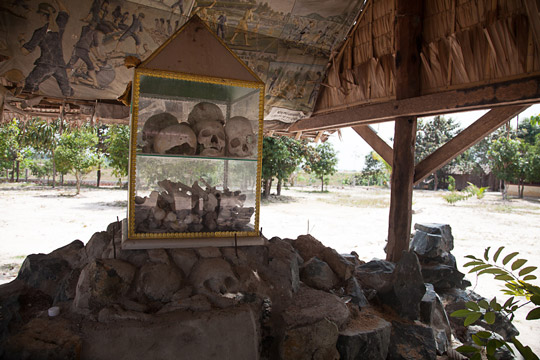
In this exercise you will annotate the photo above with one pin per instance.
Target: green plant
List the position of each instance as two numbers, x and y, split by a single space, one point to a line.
517 285
474 190
455 196
451 183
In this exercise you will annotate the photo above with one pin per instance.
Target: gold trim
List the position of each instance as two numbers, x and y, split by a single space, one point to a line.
132 235
182 28
199 78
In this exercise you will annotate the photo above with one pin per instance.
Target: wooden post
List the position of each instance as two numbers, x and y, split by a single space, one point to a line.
408 47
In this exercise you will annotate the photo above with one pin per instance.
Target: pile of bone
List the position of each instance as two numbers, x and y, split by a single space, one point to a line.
182 208
205 133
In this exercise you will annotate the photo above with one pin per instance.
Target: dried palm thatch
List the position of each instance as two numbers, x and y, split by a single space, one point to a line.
465 42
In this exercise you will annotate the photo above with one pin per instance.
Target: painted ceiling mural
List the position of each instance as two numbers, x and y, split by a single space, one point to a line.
76 49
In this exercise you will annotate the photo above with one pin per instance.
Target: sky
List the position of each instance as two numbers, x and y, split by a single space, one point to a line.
352 149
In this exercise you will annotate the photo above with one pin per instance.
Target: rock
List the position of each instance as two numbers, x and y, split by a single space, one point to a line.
194 303
432 313
310 306
376 274
411 342
217 334
97 245
44 273
432 241
366 337
68 286
318 274
407 287
44 338
314 341
158 282
308 247
184 259
443 277
354 290
116 313
102 283
136 258
208 252
9 308
213 275
341 267
283 273
353 259
74 253
158 256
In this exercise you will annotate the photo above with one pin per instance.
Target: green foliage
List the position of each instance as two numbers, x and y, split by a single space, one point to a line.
430 136
517 285
376 171
474 190
117 149
76 153
451 183
322 161
455 196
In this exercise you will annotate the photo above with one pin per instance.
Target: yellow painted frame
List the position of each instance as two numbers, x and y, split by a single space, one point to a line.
134 240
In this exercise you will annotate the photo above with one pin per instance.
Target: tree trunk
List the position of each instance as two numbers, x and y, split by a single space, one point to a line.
78 181
322 183
53 170
98 175
521 188
278 189
266 187
504 192
18 167
435 181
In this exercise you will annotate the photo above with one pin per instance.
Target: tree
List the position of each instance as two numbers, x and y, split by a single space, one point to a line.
117 149
13 149
322 161
76 153
430 136
376 170
505 159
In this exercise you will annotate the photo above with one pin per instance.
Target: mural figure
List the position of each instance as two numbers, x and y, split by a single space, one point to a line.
49 39
221 22
88 42
133 30
202 11
180 5
243 26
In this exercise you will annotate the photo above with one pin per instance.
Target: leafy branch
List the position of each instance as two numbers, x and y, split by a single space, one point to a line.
516 282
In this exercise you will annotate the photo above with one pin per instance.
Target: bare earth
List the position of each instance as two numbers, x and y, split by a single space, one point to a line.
37 219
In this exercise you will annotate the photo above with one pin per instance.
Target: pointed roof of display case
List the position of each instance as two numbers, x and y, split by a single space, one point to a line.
195 49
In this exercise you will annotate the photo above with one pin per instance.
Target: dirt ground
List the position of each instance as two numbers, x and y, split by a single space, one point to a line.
37 219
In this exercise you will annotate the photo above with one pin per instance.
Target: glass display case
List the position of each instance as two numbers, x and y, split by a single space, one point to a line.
195 160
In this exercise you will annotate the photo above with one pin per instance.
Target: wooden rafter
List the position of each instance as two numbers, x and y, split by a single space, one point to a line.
534 21
464 140
374 140
515 92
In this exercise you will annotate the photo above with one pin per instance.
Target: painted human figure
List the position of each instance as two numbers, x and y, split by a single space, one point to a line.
243 26
133 30
49 40
88 42
180 5
221 21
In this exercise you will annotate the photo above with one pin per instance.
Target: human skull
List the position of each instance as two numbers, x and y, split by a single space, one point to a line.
153 125
176 139
205 111
241 141
211 137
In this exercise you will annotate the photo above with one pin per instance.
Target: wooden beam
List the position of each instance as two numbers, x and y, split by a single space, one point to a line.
534 21
318 137
378 144
464 140
408 47
400 216
515 92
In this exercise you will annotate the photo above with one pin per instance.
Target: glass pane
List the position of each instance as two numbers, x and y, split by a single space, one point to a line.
183 195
